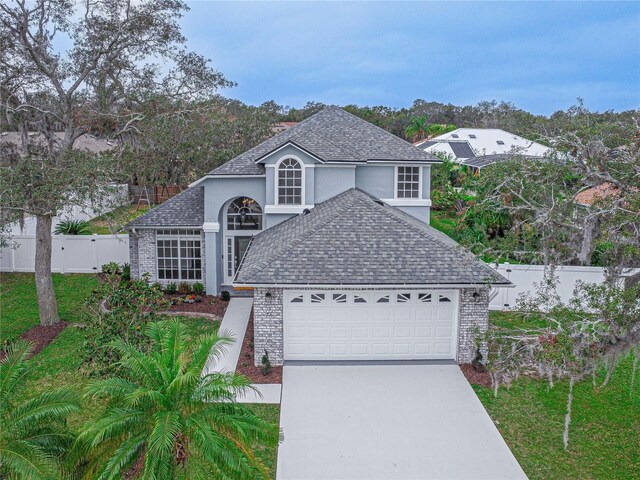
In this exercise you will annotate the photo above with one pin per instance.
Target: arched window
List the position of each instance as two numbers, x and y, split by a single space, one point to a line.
244 213
290 182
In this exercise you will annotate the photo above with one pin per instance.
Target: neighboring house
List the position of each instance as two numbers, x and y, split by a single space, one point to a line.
479 147
588 197
87 142
282 126
328 224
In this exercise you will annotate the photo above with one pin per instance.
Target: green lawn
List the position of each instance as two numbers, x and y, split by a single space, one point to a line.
445 223
105 224
60 363
19 305
605 432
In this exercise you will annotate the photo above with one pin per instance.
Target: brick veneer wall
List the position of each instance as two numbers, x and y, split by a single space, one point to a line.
143 256
473 318
267 325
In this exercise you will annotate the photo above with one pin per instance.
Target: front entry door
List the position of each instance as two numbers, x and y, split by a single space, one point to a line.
239 247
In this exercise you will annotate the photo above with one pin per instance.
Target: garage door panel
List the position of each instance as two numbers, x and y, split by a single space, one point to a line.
402 332
424 332
381 332
359 348
361 325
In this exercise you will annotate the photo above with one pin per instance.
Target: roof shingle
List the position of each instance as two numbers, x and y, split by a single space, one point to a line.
332 135
355 239
184 210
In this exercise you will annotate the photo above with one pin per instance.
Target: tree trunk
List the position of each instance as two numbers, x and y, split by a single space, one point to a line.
44 281
590 228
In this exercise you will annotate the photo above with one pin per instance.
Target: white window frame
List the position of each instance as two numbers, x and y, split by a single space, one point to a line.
276 192
179 237
420 182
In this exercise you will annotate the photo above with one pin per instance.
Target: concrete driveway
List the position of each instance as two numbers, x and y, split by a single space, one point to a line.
387 421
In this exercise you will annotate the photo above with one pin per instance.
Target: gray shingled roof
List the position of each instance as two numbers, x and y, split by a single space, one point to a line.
484 160
332 135
355 239
184 210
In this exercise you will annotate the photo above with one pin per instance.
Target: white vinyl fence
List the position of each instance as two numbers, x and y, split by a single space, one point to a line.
70 253
524 277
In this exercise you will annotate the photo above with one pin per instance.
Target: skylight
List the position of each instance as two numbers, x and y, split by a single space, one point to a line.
455 135
471 135
500 142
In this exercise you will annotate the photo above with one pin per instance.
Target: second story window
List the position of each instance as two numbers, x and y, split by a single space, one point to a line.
290 182
408 182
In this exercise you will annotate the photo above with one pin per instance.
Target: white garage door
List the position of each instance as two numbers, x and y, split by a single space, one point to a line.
370 325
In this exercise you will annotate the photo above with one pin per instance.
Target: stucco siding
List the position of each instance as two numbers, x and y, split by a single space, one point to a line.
330 181
379 181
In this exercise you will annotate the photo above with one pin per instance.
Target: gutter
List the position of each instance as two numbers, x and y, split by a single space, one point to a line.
373 285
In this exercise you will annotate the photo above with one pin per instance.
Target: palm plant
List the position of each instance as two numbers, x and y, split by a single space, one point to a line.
33 434
72 227
166 418
417 128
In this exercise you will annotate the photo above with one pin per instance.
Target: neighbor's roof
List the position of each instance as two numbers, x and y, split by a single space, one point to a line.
184 210
332 135
484 160
589 196
482 142
87 142
355 239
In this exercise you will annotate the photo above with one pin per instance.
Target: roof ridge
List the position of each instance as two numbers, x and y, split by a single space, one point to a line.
353 152
389 134
301 238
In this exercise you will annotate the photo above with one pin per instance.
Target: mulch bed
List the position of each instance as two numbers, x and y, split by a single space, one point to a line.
474 377
246 356
40 336
209 304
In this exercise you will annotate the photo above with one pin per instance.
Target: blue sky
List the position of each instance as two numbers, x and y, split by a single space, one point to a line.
539 55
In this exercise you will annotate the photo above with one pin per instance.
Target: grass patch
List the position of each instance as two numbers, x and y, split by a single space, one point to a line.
19 303
61 362
112 222
605 426
445 223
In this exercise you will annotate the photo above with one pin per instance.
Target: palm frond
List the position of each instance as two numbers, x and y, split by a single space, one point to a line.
12 368
50 406
124 456
27 461
166 429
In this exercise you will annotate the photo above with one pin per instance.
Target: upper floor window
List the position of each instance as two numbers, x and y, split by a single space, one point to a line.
290 182
408 182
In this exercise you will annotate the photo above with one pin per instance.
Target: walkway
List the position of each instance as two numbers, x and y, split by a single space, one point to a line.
234 325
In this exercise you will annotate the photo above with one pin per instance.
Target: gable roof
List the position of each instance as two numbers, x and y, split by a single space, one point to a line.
184 210
332 135
355 239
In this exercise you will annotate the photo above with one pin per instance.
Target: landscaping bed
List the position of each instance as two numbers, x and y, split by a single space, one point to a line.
245 364
475 377
210 304
40 336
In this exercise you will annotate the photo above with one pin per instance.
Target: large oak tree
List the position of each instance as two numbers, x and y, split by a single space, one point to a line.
79 67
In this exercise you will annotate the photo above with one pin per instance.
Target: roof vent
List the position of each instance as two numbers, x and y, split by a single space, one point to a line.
471 135
455 135
306 211
379 202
